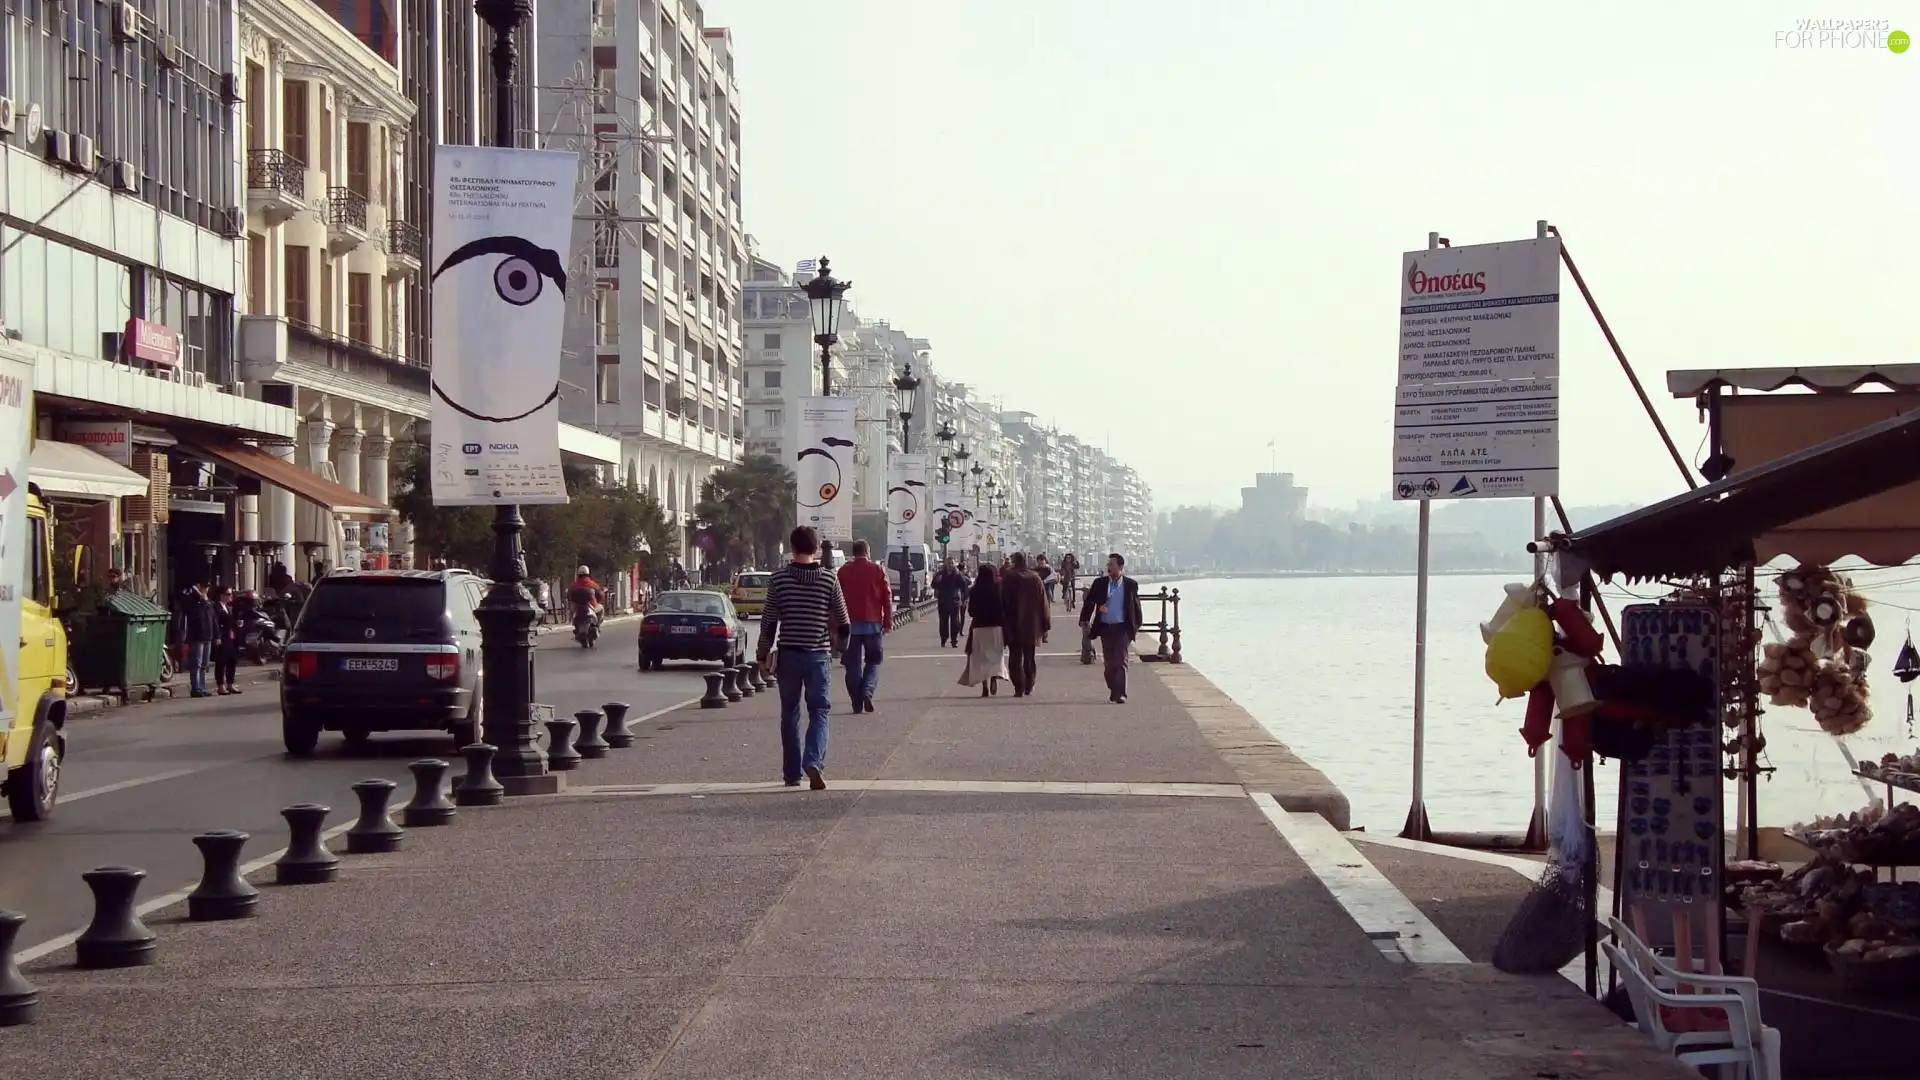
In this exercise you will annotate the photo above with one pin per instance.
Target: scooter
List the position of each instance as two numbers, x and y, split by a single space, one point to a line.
260 639
586 628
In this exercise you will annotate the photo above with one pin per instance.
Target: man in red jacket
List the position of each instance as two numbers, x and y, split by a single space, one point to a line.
870 609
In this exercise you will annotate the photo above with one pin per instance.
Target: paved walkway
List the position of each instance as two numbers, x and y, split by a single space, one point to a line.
1046 888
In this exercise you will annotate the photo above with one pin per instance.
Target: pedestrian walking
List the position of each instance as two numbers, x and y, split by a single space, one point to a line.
199 629
870 608
1025 606
986 646
950 594
1044 572
1112 611
226 644
801 626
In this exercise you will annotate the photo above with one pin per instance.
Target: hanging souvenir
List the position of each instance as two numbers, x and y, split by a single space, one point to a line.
1906 668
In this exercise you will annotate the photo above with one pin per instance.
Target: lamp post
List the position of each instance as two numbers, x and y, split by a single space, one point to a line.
908 387
977 470
507 614
994 510
827 296
945 435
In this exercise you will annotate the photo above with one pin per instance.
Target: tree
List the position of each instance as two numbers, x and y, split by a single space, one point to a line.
749 509
462 535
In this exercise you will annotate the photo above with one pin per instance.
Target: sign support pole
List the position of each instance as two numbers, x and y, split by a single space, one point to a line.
1537 839
1416 827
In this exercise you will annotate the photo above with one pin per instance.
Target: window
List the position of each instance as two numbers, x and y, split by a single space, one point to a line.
606 317
42 583
360 307
772 380
607 383
256 274
295 121
360 159
329 300
296 301
776 418
770 341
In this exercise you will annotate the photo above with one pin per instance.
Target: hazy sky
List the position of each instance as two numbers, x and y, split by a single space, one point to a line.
1177 228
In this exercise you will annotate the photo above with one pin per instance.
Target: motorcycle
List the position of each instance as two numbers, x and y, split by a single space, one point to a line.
586 627
261 636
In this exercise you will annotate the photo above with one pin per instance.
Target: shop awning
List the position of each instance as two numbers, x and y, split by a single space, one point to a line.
314 488
1714 527
61 468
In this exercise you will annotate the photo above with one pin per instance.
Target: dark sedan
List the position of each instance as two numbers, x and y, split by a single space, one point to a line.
692 624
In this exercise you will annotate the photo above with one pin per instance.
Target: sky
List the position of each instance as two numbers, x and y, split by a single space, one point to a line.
1175 229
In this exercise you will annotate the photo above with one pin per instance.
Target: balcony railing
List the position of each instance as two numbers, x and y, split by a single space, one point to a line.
276 170
346 208
306 331
406 240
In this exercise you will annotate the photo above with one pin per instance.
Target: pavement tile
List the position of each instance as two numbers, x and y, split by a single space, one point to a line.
948 1030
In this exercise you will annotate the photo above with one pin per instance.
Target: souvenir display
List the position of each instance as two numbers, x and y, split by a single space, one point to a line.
1822 666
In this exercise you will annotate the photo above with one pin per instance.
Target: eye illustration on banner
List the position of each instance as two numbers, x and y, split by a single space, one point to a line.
824 493
524 274
901 505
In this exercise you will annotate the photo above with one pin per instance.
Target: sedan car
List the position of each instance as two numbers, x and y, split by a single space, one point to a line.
692 624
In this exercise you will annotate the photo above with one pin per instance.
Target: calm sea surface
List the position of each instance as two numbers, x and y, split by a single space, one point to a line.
1327 665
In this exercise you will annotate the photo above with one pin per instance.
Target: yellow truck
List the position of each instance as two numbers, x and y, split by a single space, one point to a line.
33 644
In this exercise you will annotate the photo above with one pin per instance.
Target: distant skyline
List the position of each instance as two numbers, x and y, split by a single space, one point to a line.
1177 232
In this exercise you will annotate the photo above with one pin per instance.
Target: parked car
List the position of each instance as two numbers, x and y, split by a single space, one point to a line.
692 624
384 650
750 592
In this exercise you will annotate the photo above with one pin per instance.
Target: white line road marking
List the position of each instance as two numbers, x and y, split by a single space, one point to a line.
976 787
1382 911
124 785
960 654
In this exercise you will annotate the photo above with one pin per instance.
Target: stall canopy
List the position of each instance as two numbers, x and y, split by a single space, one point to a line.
60 468
1715 527
314 488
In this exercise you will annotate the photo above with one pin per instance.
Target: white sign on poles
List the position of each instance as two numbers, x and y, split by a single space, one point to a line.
502 227
1477 409
823 466
907 495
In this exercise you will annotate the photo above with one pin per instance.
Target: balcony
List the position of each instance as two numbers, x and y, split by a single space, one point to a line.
406 246
276 185
346 216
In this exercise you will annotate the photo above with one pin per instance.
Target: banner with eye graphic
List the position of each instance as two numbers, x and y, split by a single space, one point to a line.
823 466
502 227
906 500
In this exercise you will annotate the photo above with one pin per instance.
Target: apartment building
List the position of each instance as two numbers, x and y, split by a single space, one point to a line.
653 350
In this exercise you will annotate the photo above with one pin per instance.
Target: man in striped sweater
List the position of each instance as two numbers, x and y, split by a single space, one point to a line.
802 627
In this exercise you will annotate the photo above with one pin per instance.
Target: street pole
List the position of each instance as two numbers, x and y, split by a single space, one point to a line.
506 614
906 550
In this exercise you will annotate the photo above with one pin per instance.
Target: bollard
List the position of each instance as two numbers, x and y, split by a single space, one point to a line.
222 892
713 699
19 999
307 861
742 682
617 735
116 937
478 787
429 805
589 743
754 676
561 756
375 832
730 683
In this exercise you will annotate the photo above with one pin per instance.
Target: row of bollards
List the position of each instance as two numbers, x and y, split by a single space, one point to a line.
116 938
732 684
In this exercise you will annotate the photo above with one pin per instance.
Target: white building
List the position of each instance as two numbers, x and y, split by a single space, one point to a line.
646 92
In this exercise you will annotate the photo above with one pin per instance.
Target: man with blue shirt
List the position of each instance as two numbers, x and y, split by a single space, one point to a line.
1112 611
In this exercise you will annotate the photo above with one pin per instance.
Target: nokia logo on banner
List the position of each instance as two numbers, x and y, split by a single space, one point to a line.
470 448
504 447
1422 283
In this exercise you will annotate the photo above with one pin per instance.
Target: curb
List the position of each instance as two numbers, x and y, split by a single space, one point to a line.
248 677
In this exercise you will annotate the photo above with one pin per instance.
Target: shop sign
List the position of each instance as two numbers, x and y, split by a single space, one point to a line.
156 343
110 439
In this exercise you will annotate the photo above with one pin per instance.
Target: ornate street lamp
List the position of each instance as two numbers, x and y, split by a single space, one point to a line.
976 470
909 388
946 436
827 295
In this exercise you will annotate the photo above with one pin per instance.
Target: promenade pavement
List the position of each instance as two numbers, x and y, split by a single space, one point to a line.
1013 888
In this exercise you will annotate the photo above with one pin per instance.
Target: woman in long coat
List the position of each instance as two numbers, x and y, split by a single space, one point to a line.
1024 607
986 647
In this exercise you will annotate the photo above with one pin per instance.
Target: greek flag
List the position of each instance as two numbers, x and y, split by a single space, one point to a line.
807 266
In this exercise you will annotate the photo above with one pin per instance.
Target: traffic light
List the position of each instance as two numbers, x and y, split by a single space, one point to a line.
941 535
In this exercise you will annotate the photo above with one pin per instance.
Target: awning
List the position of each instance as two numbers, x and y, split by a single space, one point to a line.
61 468
314 488
1714 528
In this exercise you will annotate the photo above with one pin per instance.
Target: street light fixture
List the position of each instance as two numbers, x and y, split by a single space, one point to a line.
828 297
976 470
909 388
946 436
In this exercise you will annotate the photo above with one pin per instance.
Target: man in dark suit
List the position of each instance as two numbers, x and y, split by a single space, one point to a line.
1112 611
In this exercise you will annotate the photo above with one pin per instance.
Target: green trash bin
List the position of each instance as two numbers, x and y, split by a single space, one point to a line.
119 645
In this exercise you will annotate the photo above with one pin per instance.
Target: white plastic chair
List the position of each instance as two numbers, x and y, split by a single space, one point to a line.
1696 1049
1747 1032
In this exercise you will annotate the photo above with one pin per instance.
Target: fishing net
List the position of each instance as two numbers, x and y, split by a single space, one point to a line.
1548 930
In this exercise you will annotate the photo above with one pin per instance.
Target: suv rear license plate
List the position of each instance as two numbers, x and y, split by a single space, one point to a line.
683 629
378 663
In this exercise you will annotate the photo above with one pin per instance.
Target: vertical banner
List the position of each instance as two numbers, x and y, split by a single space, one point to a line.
502 227
945 502
907 497
967 536
16 447
823 466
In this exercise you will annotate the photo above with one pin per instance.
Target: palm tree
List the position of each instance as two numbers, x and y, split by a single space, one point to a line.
748 507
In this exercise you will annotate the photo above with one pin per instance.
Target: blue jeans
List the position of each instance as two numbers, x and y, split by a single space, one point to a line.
863 658
198 653
794 672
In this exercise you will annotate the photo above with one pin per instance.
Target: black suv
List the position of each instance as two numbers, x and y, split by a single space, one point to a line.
384 650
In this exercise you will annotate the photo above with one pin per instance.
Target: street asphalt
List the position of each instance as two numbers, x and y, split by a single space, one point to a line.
140 781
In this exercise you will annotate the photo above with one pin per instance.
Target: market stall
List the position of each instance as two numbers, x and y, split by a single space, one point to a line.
1835 943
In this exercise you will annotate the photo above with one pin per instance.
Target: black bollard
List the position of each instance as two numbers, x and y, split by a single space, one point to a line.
116 937
19 999
759 681
222 892
617 735
561 756
429 805
729 684
375 832
743 680
478 787
590 744
307 861
714 699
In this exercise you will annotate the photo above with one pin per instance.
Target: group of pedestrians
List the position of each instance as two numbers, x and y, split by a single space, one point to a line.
207 627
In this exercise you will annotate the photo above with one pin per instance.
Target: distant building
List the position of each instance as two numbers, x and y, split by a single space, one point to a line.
1274 501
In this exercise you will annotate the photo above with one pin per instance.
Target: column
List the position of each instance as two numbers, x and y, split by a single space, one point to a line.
375 453
276 512
346 458
316 524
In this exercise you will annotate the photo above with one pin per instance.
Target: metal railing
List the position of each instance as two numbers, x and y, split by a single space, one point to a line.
406 240
346 208
1167 627
276 170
